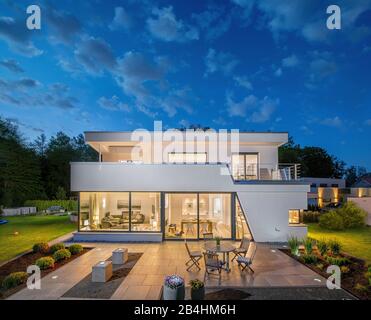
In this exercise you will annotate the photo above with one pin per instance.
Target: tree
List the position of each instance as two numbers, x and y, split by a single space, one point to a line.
20 176
353 173
61 194
314 161
40 145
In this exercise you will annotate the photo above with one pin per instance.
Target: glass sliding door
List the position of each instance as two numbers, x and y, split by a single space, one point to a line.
181 215
191 215
215 214
245 166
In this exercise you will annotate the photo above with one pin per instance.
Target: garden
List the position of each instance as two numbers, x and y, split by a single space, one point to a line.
20 232
13 275
339 238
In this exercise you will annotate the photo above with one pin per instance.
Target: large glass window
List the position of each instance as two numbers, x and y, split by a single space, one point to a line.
188 215
245 166
242 228
120 211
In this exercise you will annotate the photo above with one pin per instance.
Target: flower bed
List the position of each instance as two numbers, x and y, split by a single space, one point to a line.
21 263
355 275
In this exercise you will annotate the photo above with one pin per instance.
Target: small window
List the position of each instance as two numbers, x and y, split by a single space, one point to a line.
294 216
334 185
323 185
313 185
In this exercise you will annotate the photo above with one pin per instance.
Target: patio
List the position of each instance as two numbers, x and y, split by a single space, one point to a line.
272 269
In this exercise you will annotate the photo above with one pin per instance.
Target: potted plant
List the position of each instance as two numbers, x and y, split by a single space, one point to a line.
218 239
174 288
197 289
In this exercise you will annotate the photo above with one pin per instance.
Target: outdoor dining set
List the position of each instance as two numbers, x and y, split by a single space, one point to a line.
243 254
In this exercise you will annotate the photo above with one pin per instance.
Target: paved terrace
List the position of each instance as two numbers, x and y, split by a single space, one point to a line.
272 269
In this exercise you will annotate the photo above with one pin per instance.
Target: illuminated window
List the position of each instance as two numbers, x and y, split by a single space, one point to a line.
180 157
294 216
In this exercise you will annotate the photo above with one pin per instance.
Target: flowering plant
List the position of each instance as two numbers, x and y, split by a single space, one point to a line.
174 281
218 239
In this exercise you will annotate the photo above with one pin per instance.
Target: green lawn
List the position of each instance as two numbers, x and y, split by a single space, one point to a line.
31 229
356 242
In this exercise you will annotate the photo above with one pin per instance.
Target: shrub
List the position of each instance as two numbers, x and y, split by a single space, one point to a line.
15 279
309 258
56 247
308 245
69 205
320 266
61 254
360 287
353 216
344 269
196 284
339 261
332 221
294 243
41 247
75 248
311 216
45 263
322 247
345 217
334 246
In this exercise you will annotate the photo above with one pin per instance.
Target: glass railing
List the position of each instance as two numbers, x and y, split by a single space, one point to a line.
282 171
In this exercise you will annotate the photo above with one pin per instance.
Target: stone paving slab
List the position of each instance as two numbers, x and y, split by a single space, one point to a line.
272 269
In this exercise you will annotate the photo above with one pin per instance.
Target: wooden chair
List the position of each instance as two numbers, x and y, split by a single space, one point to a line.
194 257
246 261
208 236
242 249
212 265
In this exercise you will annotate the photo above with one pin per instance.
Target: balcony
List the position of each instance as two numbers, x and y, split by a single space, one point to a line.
266 172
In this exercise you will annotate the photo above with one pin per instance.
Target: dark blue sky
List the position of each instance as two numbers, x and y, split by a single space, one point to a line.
253 65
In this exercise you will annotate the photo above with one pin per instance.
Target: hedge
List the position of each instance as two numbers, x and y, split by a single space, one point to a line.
69 205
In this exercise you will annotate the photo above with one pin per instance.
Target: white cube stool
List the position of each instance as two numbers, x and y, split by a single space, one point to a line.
102 271
120 256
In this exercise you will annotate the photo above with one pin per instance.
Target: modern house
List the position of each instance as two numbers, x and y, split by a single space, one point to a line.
166 185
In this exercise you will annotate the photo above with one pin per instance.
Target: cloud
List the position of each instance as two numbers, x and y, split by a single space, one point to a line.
27 92
306 18
290 61
266 108
112 104
65 26
95 55
278 72
240 109
17 36
332 122
253 109
219 61
121 20
321 68
213 22
165 26
243 82
12 65
368 122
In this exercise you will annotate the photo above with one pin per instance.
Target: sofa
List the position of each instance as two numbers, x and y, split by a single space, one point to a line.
117 221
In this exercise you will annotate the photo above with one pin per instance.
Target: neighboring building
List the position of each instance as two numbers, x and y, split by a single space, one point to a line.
363 182
131 195
324 191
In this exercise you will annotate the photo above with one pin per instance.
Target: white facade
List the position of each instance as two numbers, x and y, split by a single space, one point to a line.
266 194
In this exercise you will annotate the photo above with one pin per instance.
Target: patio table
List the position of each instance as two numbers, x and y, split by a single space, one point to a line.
224 248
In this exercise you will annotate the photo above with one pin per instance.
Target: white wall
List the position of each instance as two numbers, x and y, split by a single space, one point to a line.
268 213
265 203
